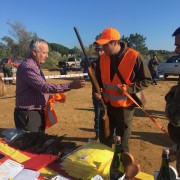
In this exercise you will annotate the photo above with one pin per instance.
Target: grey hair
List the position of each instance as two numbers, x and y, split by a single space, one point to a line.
35 43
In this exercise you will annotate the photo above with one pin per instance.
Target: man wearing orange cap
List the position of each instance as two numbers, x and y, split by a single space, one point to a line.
135 76
173 107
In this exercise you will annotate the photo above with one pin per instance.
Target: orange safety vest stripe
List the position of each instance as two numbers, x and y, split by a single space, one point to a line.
125 67
50 115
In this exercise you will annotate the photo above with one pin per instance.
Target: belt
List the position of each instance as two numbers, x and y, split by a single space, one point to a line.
23 109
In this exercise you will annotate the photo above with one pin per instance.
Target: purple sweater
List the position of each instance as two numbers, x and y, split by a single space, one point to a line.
32 90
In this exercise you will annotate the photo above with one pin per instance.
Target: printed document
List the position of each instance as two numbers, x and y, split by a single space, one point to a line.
9 169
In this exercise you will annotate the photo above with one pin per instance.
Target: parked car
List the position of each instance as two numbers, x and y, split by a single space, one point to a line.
73 62
15 61
170 67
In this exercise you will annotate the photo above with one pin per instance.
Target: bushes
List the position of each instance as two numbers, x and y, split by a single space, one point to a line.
52 61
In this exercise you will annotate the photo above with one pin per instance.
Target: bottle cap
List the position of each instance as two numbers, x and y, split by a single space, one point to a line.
118 138
165 151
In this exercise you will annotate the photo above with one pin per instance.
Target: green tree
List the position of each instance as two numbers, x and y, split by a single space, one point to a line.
18 43
76 51
125 39
3 51
59 48
9 44
137 42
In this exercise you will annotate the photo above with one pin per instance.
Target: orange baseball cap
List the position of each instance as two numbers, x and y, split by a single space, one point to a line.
107 35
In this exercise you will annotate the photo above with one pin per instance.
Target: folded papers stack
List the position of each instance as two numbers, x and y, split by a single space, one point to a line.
88 161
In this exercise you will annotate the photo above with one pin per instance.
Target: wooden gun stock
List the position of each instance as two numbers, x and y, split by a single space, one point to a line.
95 85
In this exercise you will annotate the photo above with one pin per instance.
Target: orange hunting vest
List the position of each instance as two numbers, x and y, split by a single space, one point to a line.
125 68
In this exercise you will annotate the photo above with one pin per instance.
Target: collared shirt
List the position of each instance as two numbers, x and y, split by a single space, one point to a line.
32 90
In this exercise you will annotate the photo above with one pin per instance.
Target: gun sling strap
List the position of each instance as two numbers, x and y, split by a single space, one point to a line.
137 104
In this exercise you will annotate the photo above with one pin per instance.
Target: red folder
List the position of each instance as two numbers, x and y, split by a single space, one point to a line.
39 161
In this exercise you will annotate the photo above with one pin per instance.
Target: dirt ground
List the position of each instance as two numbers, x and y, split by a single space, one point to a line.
75 118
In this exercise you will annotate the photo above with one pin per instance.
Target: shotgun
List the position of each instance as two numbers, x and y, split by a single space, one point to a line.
95 84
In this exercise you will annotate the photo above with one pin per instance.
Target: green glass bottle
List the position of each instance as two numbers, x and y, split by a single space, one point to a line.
117 168
164 172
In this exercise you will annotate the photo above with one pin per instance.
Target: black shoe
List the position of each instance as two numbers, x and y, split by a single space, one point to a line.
96 138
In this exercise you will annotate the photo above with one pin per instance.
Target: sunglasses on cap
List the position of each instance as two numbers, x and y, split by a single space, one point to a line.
99 49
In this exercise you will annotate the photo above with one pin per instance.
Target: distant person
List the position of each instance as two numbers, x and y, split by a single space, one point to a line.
85 71
96 103
63 70
118 57
173 108
153 65
32 90
7 71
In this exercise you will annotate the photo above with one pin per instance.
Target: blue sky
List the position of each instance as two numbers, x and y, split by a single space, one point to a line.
54 20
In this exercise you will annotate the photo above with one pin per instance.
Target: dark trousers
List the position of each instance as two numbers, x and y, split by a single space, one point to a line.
7 73
120 119
154 76
97 115
29 120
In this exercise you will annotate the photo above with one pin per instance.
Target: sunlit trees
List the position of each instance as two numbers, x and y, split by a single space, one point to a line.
18 42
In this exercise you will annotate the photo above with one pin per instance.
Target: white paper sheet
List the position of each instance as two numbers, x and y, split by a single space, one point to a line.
32 175
60 177
9 169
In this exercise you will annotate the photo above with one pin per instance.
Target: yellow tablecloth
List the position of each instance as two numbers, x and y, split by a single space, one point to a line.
103 167
21 157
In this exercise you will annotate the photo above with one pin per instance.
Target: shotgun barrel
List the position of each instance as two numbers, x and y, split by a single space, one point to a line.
95 84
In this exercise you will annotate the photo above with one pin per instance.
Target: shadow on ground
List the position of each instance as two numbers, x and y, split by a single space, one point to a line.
154 113
154 138
85 109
